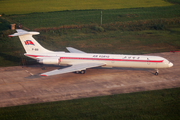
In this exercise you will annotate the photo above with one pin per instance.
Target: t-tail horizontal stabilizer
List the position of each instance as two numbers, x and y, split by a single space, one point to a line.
21 32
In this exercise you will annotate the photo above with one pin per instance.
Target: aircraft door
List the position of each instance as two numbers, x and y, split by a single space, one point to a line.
112 61
148 61
59 61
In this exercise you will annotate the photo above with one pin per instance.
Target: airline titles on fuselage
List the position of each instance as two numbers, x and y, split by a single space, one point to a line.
107 56
129 57
101 56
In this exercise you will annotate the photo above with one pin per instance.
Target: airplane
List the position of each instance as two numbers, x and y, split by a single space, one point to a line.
78 61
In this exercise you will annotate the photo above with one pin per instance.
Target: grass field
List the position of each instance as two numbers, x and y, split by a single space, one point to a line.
147 29
152 105
30 6
80 17
118 42
141 42
55 19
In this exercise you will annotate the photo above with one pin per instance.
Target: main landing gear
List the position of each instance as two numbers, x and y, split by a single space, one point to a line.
80 72
157 72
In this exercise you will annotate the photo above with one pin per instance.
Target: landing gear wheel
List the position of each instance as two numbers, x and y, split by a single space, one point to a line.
82 71
77 72
156 73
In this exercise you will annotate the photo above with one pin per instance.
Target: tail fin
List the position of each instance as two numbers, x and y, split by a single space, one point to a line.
29 43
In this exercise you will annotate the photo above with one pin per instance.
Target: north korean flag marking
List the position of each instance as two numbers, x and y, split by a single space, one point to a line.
29 42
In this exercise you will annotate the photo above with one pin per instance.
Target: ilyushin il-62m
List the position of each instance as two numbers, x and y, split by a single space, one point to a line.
78 61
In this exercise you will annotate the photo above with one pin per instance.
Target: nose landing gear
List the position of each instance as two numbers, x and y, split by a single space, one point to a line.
157 72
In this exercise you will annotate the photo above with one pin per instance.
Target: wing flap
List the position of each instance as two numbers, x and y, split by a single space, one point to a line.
73 68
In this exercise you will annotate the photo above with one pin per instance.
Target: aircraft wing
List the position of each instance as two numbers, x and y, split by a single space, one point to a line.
73 68
73 50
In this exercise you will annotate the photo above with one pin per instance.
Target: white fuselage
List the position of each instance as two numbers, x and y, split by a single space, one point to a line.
110 60
79 61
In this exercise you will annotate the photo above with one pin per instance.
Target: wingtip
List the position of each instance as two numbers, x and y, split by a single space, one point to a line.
10 36
43 75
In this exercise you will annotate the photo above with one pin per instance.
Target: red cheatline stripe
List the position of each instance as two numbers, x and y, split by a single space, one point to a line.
36 55
43 75
159 61
78 58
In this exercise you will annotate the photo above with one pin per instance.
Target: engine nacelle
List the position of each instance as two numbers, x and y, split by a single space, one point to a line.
53 61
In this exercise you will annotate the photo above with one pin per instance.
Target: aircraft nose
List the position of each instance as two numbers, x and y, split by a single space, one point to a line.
170 64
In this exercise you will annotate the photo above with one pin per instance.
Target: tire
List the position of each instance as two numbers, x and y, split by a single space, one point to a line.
82 71
156 73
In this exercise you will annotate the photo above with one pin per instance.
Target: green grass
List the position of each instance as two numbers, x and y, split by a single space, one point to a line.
159 105
56 19
92 41
126 31
118 41
4 25
30 6
174 1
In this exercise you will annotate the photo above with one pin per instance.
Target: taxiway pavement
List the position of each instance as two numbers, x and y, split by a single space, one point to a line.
22 85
